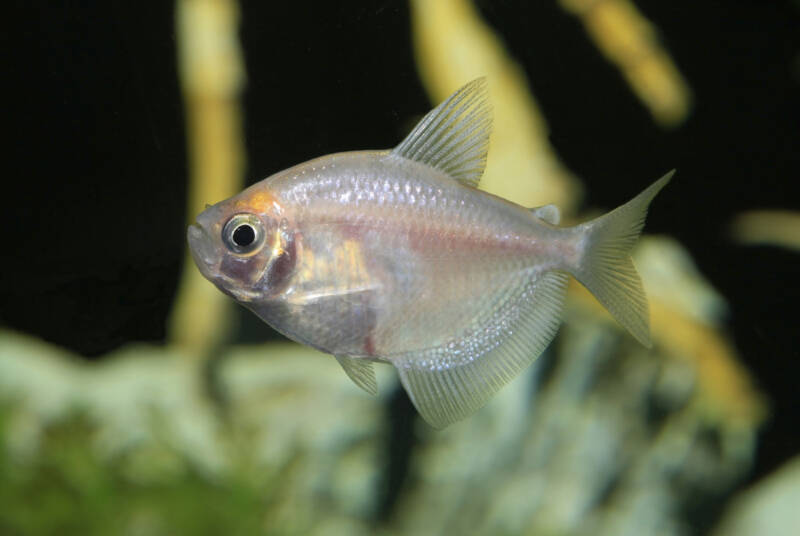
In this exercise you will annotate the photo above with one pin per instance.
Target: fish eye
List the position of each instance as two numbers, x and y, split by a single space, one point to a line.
243 234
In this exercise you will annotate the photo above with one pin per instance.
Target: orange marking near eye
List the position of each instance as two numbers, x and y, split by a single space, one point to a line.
260 202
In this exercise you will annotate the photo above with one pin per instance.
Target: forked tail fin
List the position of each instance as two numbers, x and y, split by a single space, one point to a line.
606 268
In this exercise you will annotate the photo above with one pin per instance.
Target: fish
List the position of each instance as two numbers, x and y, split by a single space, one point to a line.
395 256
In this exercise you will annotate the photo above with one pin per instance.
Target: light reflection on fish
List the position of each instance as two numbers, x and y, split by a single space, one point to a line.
395 256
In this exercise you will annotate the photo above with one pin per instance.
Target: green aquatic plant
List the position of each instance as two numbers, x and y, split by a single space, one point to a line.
66 488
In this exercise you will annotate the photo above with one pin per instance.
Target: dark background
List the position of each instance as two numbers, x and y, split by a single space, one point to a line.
93 213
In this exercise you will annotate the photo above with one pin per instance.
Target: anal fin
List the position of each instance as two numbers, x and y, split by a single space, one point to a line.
360 371
451 381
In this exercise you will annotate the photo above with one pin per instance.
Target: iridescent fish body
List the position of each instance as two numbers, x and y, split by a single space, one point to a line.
395 256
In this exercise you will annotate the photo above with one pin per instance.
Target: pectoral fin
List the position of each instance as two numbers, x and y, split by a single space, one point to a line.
361 372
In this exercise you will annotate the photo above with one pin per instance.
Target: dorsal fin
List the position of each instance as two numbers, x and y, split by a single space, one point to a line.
454 136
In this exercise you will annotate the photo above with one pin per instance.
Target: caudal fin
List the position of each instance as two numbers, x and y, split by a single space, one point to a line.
606 268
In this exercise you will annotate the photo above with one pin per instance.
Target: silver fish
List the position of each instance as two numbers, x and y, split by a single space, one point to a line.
394 256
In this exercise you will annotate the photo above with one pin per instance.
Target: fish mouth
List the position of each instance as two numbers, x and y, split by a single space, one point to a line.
201 247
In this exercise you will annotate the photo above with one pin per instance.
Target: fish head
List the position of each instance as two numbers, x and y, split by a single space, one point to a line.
244 245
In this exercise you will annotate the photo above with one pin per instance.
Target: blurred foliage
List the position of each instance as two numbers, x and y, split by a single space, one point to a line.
134 445
67 489
779 228
769 508
628 40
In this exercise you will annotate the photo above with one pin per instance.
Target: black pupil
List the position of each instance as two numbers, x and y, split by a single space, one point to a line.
244 235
